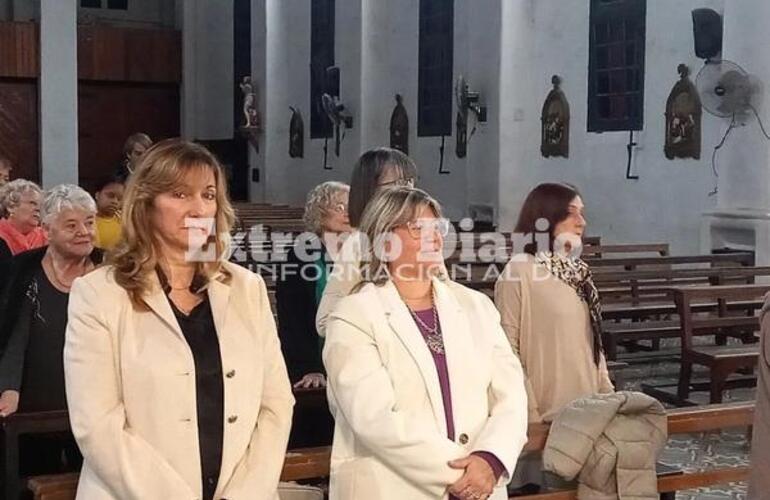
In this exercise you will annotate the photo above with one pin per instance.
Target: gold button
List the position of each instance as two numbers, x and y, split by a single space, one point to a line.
463 438
231 419
230 374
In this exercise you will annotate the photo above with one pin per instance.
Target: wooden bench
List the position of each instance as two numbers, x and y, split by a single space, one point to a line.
721 360
313 463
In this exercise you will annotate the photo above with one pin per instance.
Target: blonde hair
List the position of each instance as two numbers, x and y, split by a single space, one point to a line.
320 201
161 169
391 207
137 138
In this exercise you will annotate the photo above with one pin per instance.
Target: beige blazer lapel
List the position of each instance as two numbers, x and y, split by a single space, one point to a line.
402 323
157 301
219 296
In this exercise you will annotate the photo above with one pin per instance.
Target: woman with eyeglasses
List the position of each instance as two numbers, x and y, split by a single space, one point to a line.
376 169
551 313
303 279
428 396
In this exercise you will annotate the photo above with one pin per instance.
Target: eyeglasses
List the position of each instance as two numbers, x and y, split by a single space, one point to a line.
398 183
424 227
340 208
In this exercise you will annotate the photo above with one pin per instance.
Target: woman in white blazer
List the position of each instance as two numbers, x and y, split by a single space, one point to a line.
428 396
175 381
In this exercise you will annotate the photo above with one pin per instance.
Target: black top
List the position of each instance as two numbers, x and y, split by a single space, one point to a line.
201 335
295 295
32 362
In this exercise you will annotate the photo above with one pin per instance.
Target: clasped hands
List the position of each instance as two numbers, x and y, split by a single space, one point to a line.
477 483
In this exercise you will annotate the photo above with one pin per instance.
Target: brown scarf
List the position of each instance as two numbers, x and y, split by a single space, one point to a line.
575 273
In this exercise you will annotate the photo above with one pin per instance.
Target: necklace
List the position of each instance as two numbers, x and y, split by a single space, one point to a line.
432 335
57 278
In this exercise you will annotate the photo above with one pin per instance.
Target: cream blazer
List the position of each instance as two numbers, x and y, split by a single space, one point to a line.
390 437
130 379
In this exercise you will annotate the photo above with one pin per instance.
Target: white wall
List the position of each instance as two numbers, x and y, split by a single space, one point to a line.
546 37
377 51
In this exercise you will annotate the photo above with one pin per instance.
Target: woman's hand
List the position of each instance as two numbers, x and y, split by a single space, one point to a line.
477 483
9 403
311 381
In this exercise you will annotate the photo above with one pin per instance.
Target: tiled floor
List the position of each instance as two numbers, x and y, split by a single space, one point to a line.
693 452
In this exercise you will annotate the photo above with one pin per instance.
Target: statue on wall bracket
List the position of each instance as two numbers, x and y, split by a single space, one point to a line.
683 118
251 126
554 137
399 127
296 134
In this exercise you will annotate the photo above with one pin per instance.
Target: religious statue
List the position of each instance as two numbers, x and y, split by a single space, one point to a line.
250 113
683 118
554 140
399 127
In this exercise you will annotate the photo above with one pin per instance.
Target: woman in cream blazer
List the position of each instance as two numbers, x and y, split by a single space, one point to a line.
409 424
142 407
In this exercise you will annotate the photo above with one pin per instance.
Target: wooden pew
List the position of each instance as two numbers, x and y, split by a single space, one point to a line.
313 463
721 360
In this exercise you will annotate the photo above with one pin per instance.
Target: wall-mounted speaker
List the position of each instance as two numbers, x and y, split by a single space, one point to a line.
707 32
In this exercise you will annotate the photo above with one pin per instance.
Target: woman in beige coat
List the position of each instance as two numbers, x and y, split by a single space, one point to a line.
551 313
175 382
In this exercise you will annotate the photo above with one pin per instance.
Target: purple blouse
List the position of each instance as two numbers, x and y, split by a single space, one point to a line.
439 359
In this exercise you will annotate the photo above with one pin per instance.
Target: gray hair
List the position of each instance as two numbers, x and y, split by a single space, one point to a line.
319 203
64 197
11 193
391 207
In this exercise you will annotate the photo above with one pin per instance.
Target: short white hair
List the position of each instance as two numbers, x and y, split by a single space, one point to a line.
64 197
319 202
11 193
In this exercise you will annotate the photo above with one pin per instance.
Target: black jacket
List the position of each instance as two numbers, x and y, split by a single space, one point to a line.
296 303
16 278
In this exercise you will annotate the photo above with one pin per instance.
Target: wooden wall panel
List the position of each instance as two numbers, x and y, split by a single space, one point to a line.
19 132
108 53
109 113
19 50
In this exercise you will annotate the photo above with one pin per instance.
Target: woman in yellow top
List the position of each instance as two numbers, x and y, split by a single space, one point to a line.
109 197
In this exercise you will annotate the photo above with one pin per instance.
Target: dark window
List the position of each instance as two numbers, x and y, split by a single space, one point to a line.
117 4
434 97
91 4
321 57
616 65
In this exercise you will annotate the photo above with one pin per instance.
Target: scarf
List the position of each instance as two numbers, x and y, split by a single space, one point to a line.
575 273
18 242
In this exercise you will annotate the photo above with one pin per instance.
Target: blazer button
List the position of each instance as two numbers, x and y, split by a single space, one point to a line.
231 419
463 439
230 374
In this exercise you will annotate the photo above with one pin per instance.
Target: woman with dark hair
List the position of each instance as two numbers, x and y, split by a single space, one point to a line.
550 311
550 307
375 169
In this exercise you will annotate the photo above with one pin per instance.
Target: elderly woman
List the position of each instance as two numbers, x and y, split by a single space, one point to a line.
175 381
375 169
303 280
20 229
429 399
32 334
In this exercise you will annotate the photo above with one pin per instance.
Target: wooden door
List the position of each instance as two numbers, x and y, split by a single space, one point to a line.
19 128
109 112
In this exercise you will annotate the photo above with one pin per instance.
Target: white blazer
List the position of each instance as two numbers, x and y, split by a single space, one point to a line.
390 437
130 379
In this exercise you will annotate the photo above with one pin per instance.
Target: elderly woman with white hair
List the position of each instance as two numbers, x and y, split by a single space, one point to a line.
20 226
303 279
32 332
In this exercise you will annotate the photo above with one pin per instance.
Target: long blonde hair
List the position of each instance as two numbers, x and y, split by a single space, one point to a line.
391 207
161 169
